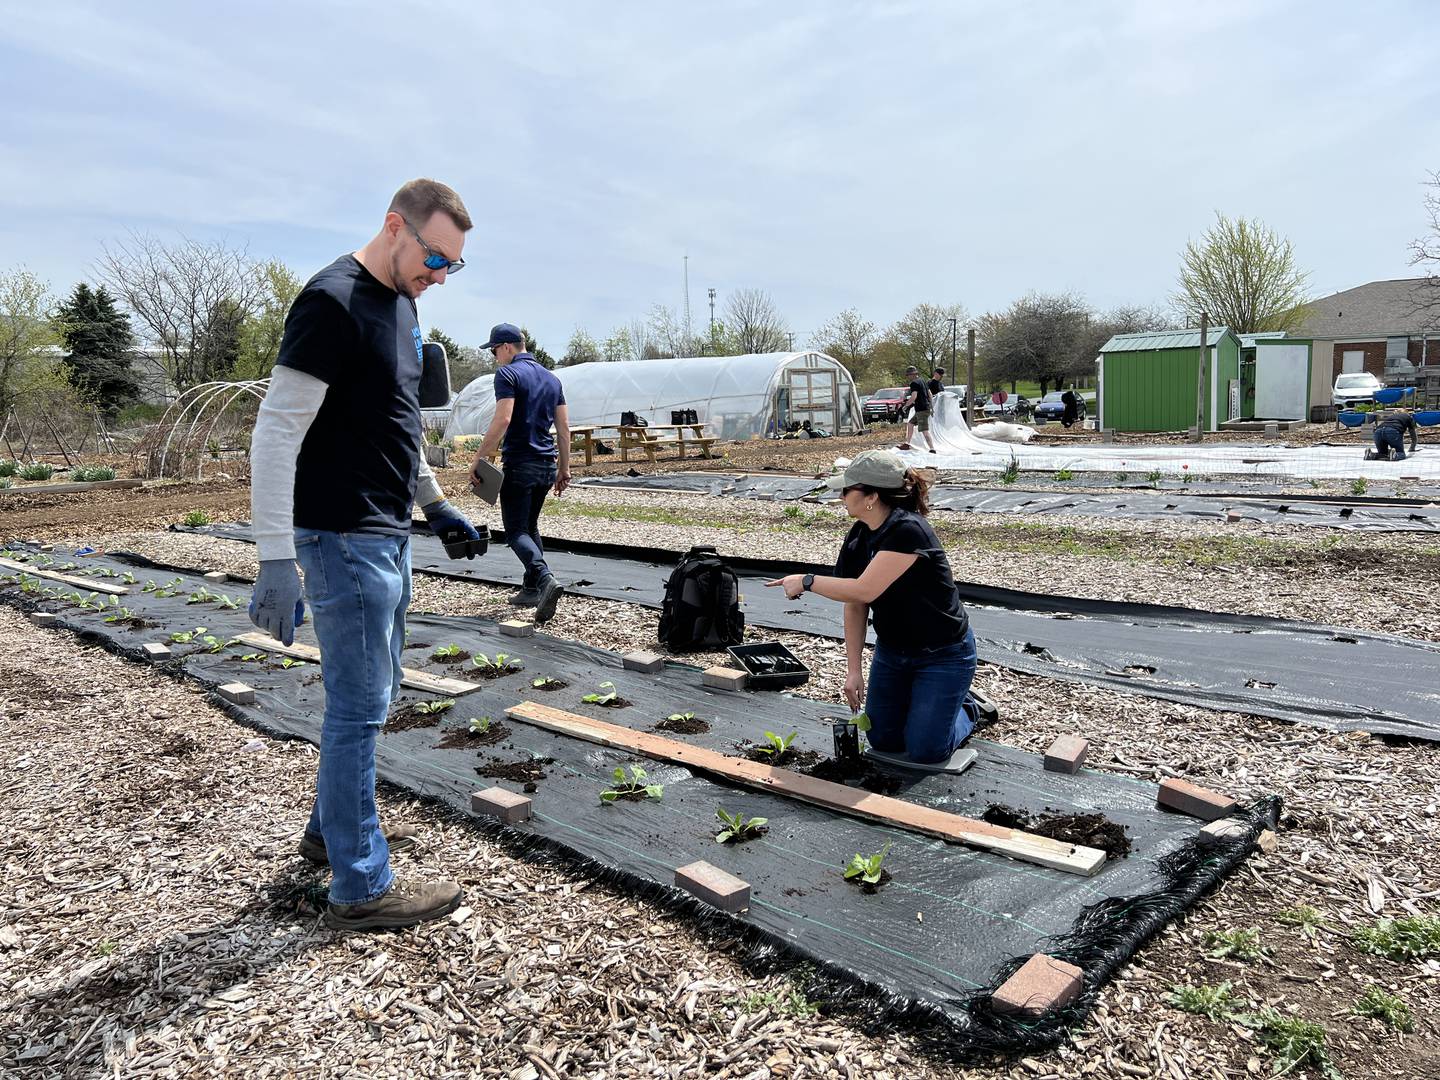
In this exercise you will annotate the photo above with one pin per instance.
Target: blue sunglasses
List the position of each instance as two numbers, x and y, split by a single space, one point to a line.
433 259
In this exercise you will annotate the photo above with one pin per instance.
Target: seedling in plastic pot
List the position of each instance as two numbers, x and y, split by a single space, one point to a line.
606 695
861 720
632 786
738 828
434 708
480 724
447 652
778 745
867 868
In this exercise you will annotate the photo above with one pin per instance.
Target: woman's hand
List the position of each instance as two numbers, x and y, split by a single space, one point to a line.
855 691
793 584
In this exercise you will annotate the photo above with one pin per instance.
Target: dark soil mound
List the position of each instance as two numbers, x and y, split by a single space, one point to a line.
465 739
552 684
859 773
1088 830
683 726
790 759
521 772
408 717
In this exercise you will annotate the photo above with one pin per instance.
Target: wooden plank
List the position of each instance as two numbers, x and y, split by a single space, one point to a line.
1071 858
61 489
88 584
415 680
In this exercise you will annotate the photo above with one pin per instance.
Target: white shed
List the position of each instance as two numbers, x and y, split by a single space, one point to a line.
738 396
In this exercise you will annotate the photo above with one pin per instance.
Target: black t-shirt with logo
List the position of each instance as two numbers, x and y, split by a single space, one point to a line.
360 458
921 609
922 395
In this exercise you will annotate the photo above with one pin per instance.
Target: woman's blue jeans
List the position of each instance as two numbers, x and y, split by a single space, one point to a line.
358 586
920 703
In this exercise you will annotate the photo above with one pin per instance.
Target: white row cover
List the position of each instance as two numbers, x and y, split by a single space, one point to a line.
738 396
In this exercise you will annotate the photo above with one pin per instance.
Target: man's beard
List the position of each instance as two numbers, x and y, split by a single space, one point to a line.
403 285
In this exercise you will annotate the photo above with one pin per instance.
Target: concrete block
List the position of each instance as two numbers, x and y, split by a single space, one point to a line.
517 628
155 651
713 885
1195 800
1233 517
238 693
509 807
648 662
1066 754
1221 830
1272 430
723 678
765 496
217 575
47 547
45 618
1044 983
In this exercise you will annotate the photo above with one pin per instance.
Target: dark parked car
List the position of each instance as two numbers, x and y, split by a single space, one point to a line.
883 405
1052 408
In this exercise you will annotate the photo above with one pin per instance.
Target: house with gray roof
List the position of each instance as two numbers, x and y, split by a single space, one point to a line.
1384 327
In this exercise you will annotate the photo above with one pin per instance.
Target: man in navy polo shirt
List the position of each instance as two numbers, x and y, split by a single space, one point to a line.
529 400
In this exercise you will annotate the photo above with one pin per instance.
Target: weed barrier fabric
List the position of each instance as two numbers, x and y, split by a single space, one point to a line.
1303 673
925 950
1146 505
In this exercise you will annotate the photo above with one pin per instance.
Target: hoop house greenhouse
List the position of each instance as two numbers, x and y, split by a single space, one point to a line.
738 396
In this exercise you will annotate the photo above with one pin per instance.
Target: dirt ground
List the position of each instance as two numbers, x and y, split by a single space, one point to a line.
168 928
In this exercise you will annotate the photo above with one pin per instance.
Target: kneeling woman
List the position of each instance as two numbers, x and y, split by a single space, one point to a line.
893 567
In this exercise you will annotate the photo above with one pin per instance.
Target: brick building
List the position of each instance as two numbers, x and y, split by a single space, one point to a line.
1385 328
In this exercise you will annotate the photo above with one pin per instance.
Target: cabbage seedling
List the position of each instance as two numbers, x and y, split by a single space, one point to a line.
634 784
777 746
738 827
867 868
435 708
480 724
604 698
446 652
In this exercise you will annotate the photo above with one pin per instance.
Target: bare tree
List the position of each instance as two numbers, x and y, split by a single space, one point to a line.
1243 276
1426 250
187 297
26 334
752 320
924 336
848 337
1041 337
668 334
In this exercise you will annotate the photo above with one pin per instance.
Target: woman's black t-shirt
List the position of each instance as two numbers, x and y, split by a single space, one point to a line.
921 609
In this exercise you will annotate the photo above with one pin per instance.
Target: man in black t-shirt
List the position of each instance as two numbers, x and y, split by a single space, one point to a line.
936 386
335 469
917 399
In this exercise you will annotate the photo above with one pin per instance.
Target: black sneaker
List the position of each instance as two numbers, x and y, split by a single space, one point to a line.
549 596
524 598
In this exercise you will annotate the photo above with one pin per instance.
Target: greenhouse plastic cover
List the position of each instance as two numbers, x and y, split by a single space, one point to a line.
981 914
733 395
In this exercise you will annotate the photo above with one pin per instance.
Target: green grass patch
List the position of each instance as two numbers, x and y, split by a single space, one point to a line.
1213 1002
1379 1004
1303 916
1297 1044
196 518
1240 944
1414 937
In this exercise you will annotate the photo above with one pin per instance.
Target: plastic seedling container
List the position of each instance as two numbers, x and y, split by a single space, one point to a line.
846 736
458 546
770 665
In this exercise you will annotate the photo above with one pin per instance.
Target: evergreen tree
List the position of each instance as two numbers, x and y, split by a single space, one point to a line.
99 346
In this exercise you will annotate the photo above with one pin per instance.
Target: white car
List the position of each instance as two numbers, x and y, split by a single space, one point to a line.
1015 404
1354 388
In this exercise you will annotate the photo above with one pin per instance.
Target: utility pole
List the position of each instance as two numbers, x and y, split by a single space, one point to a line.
954 324
688 336
712 313
791 335
1200 378
970 378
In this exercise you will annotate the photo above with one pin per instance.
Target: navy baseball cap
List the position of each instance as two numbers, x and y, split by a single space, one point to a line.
504 334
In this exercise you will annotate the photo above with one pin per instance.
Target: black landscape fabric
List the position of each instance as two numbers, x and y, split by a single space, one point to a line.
1305 673
924 950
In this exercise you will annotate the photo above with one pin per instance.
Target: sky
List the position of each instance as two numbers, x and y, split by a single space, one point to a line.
837 155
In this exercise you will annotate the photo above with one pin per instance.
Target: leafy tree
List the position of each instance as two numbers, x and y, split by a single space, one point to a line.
466 364
754 322
924 336
1243 276
99 348
1039 337
618 346
27 334
542 357
849 338
264 328
582 349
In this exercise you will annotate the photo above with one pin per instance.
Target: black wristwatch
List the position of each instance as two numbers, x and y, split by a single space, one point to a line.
807 582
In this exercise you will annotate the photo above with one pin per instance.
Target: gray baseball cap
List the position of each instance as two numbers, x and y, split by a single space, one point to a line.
882 469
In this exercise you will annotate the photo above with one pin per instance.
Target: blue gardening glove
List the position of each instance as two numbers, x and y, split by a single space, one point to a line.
275 605
444 517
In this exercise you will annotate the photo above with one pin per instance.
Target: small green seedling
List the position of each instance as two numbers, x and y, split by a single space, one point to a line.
288 662
541 682
606 695
867 868
1213 1002
185 637
1064 474
738 827
479 725
1389 1008
1011 472
631 785
435 708
1241 944
227 603
1154 476
1306 918
1295 1043
196 518
203 595
213 644
253 657
120 614
1413 937
501 662
127 578
446 652
777 745
680 717
1358 486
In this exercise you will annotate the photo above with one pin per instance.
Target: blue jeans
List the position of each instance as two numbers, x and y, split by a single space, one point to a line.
522 496
1392 439
920 703
358 586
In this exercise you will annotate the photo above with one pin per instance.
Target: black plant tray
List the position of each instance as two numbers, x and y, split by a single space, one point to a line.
770 665
457 547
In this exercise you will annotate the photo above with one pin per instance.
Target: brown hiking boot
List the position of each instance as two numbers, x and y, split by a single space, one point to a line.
403 905
399 837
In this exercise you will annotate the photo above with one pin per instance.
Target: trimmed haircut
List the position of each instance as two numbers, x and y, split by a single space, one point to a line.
419 200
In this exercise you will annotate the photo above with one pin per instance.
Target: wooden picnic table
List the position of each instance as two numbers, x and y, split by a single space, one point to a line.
649 439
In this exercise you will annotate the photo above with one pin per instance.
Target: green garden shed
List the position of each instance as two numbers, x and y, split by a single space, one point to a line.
1147 382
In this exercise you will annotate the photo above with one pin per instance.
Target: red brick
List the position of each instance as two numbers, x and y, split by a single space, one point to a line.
723 678
509 807
1066 754
1195 800
713 885
647 662
1044 983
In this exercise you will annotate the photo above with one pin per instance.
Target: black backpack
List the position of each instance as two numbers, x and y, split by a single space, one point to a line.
702 604
630 419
